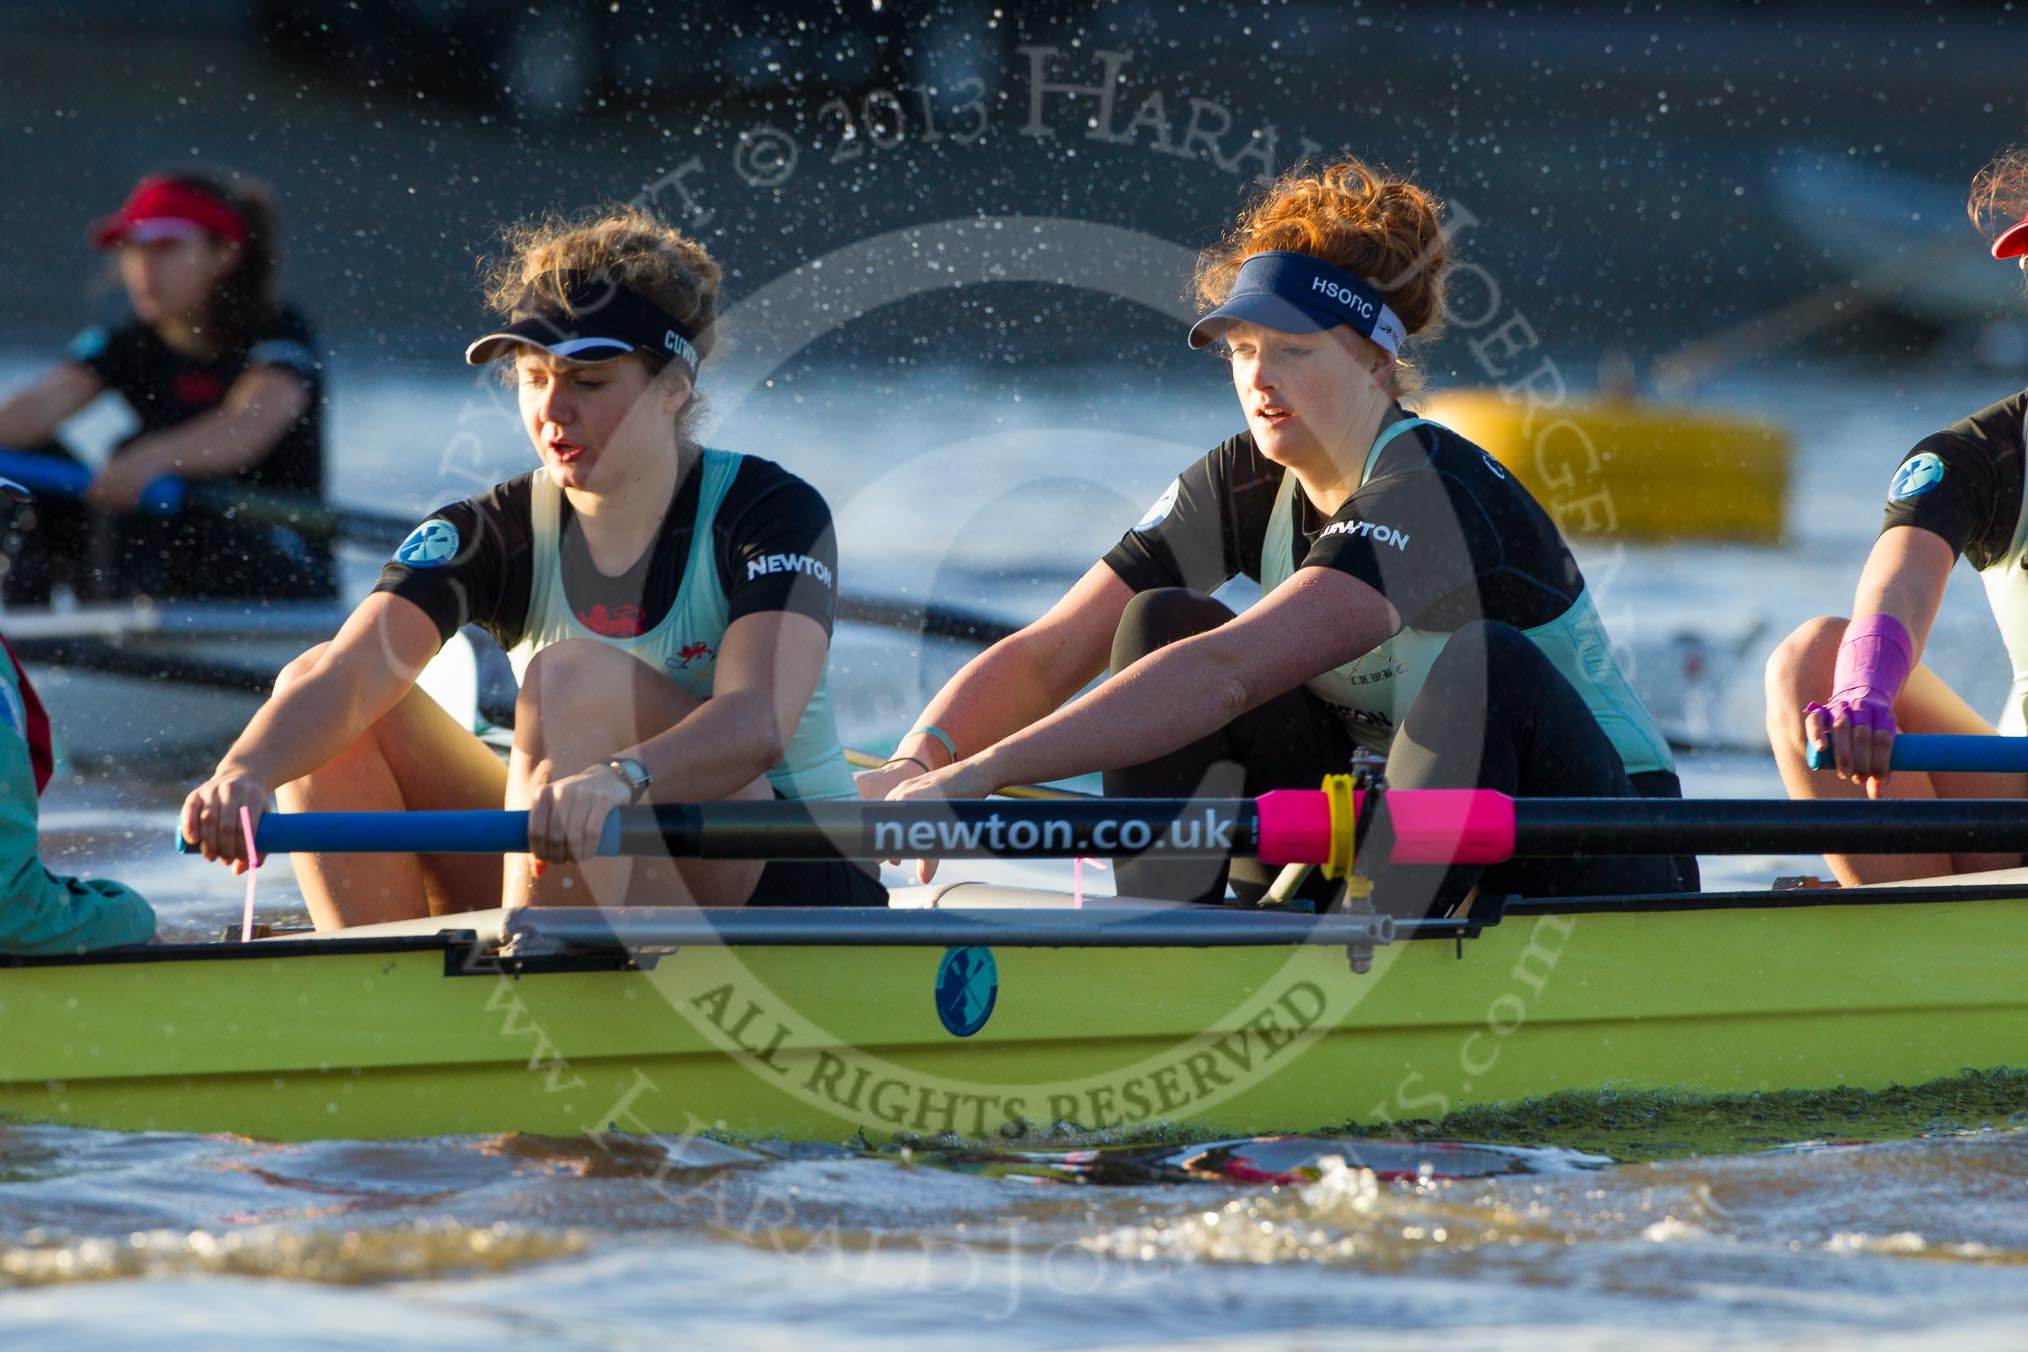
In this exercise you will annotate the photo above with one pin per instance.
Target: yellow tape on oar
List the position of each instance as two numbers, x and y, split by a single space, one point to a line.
1340 793
1344 826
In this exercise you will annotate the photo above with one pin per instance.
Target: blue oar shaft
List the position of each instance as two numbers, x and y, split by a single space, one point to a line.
53 476
482 832
1947 751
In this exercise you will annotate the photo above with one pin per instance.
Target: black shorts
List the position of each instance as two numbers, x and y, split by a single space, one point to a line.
813 882
818 882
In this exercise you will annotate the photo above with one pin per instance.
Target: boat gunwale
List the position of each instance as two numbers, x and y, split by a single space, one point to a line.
466 955
1488 914
455 944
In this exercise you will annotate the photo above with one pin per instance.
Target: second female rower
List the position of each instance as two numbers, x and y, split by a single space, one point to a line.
1416 600
1847 685
668 608
226 384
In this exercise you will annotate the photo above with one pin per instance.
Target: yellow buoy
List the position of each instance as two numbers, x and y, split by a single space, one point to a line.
1635 470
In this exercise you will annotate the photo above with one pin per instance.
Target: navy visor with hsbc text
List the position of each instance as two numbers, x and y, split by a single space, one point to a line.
1295 293
603 320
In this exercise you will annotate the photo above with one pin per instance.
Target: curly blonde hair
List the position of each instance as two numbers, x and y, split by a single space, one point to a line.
1358 218
630 245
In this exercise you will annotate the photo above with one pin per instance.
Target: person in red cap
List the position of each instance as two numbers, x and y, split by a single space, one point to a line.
226 384
1848 685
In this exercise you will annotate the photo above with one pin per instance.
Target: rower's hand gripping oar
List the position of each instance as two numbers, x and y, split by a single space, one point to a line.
1944 751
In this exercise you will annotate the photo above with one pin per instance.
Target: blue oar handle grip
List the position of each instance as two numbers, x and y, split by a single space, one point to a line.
55 477
1945 751
400 833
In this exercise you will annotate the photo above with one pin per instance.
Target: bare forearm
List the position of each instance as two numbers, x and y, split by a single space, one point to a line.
995 695
24 424
33 415
1905 577
208 447
721 747
1915 610
303 726
1165 701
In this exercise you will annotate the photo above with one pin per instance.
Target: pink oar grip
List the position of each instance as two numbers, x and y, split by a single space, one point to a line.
1295 826
1431 826
1451 826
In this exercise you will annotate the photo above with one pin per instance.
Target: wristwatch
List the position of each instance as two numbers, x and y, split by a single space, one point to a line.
634 773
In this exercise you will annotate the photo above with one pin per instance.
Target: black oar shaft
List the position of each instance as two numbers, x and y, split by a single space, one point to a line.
1176 829
1559 827
1223 828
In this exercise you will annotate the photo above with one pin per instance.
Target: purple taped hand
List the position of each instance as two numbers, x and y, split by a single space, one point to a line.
1869 712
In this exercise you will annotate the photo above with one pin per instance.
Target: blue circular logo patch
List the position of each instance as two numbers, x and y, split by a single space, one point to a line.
1917 475
1159 512
433 542
88 344
968 986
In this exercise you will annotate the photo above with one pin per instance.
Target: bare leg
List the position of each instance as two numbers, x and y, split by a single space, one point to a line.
414 758
1801 670
582 702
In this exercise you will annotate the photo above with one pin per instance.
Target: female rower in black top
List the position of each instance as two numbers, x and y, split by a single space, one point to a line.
1848 685
667 607
226 383
1416 601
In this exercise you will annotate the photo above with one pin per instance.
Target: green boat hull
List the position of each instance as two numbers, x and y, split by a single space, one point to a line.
380 1038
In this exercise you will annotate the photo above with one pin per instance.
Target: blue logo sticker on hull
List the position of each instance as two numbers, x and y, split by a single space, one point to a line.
968 986
1917 475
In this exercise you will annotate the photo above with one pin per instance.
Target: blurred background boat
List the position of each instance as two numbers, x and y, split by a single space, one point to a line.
1616 465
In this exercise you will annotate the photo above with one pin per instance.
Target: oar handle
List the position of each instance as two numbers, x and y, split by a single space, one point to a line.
1945 751
53 476
1286 826
479 832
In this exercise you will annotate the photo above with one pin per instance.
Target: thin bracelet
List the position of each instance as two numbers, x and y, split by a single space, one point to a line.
896 760
934 731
